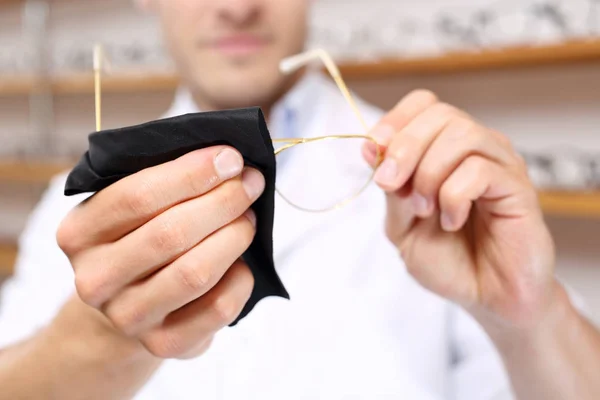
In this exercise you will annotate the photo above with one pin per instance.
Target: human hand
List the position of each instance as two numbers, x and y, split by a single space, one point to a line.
463 213
158 253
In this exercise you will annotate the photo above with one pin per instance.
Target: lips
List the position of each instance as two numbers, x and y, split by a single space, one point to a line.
240 45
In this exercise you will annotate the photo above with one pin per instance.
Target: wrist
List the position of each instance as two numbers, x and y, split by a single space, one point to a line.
543 327
84 333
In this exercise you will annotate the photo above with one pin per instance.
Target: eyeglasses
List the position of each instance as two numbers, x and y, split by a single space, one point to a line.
332 187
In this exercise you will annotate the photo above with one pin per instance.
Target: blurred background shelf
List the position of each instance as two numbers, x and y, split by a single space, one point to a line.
123 82
571 204
565 203
16 85
8 256
30 171
574 51
515 57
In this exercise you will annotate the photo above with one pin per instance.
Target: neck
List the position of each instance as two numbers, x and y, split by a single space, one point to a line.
205 104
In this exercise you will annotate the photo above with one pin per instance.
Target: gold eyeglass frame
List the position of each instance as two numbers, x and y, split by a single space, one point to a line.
286 66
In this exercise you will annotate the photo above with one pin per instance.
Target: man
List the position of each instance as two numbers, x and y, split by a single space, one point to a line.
453 297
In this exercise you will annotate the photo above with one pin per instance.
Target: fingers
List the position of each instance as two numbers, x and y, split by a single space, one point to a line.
503 192
429 143
142 306
185 331
460 139
102 271
410 144
136 199
394 121
408 108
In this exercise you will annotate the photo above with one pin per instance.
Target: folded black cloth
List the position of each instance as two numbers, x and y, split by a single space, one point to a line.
115 154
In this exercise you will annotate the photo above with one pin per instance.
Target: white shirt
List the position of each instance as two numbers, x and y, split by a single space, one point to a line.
357 325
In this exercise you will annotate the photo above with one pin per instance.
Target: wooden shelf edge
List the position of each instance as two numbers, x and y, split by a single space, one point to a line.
573 51
32 172
571 204
8 257
122 83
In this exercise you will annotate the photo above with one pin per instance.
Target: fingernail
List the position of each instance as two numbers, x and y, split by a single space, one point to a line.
383 134
251 216
228 164
420 203
253 182
446 222
387 172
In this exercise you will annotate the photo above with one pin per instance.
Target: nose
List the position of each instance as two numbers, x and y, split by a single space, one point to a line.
239 12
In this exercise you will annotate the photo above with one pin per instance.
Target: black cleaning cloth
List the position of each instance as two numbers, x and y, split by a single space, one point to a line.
115 154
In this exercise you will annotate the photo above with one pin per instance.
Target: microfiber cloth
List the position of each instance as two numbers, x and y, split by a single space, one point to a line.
115 154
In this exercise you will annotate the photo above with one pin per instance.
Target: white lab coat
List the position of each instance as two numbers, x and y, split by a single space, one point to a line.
357 325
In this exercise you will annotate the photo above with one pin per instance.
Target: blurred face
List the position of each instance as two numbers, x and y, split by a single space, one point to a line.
228 51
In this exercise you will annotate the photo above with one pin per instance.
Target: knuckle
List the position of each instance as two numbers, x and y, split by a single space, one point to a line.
424 95
463 129
193 278
445 109
225 309
164 344
141 200
126 320
450 194
479 166
232 199
426 178
68 237
197 180
168 237
90 289
503 140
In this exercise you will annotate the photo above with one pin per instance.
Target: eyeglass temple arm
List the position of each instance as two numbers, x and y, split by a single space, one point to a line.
293 63
100 63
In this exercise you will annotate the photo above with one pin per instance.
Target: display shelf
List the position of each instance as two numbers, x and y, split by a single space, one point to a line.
124 82
8 256
11 85
31 172
515 57
575 203
571 204
569 52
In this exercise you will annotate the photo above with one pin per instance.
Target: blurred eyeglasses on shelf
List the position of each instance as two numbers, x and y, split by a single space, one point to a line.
564 169
319 176
74 57
16 60
594 17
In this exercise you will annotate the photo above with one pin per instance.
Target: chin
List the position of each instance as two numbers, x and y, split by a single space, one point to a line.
246 91
244 98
